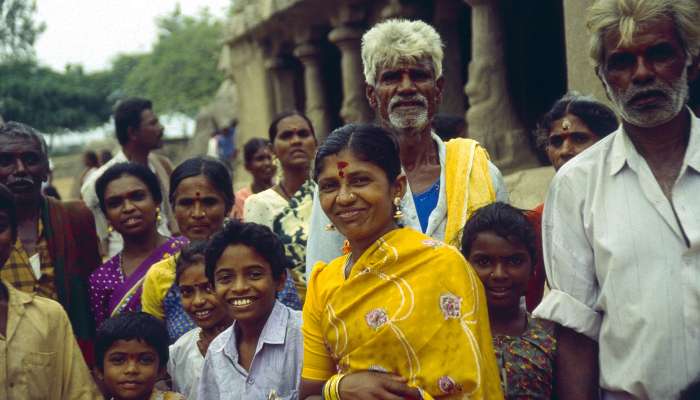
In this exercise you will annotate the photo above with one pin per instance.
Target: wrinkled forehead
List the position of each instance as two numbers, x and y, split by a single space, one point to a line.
642 34
22 143
406 62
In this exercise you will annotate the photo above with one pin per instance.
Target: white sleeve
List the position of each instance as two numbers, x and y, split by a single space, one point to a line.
87 192
499 185
321 245
256 210
569 261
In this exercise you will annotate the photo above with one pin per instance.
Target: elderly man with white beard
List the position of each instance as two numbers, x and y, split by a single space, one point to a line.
446 181
621 225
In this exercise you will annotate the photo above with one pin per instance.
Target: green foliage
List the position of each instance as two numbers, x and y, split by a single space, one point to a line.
18 30
180 74
53 102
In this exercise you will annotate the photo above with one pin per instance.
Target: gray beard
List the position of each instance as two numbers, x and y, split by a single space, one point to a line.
676 94
409 122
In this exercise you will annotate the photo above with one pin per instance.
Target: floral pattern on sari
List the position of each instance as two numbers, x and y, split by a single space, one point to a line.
292 228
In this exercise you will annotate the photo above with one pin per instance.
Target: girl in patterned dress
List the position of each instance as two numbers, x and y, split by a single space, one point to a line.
499 243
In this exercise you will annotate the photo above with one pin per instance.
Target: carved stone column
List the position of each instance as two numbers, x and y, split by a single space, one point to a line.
491 117
282 84
355 107
316 106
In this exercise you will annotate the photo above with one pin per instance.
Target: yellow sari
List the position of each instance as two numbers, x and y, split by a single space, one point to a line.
410 306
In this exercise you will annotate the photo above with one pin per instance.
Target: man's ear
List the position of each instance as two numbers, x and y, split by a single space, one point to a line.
694 68
370 94
440 85
131 132
599 74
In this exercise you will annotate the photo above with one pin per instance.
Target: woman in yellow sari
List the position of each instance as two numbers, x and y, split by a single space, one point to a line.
401 315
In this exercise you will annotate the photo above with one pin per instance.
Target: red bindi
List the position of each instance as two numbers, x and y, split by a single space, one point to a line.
341 165
197 194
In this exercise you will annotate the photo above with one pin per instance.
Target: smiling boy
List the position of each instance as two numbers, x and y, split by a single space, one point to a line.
260 355
132 354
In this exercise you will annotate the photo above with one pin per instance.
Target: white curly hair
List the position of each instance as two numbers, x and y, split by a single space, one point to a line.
399 40
627 15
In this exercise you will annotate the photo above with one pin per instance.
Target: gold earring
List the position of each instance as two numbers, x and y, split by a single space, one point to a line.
398 214
158 218
110 229
329 227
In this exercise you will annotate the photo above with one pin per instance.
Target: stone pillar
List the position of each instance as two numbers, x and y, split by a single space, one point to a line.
282 84
580 73
491 117
355 107
316 106
446 21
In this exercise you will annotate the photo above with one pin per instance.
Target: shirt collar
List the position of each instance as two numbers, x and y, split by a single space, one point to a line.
692 153
623 151
17 297
274 331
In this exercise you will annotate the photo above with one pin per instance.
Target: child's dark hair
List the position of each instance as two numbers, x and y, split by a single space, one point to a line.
506 221
129 326
258 237
192 254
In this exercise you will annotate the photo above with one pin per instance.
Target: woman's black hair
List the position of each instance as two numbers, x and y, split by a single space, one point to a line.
258 237
272 131
214 170
129 326
367 142
138 171
506 221
7 203
192 254
598 117
251 147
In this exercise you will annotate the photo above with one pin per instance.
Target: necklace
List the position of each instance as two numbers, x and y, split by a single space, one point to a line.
348 266
284 191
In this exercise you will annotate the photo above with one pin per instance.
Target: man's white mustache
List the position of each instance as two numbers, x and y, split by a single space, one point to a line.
415 99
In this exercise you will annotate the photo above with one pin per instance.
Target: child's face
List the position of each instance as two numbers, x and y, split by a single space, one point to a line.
6 241
503 266
198 298
131 369
243 281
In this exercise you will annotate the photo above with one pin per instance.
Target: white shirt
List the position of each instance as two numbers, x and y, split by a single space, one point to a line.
185 364
620 270
116 243
263 207
325 245
276 365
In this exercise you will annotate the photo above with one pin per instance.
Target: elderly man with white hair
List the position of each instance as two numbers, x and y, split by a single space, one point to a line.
446 181
621 225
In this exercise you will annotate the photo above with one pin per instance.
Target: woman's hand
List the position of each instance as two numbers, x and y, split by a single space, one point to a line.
370 385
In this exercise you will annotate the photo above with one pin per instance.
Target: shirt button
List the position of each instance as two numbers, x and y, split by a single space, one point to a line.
251 381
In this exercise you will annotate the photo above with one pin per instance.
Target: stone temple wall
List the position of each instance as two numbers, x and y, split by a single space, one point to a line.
305 54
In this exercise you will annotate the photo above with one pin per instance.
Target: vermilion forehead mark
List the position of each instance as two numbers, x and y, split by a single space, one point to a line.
197 195
341 165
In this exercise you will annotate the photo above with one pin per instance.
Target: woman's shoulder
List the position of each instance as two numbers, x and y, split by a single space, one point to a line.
104 271
162 270
266 196
412 241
